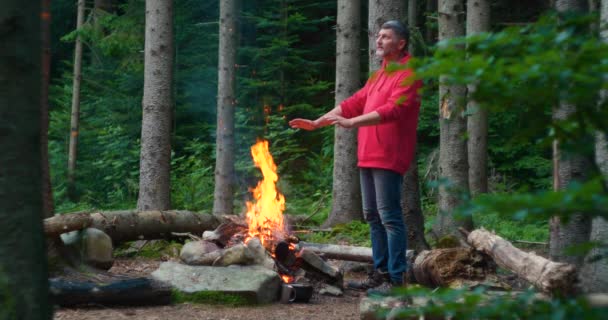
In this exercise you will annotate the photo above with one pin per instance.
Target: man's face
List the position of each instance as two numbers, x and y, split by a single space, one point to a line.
388 45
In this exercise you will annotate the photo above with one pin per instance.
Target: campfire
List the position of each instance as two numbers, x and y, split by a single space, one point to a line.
265 214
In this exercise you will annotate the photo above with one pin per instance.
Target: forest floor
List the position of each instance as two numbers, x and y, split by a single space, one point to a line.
320 306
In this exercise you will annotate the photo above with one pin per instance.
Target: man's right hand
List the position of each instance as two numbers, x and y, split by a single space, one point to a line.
303 124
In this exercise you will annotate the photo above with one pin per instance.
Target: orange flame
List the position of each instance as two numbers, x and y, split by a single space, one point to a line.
287 279
265 214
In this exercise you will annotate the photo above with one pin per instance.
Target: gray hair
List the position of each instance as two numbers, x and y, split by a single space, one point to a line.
398 28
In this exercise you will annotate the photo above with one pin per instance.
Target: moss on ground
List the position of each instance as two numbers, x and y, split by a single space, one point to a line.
213 297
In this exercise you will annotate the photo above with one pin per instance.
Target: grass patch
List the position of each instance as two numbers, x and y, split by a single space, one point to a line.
355 233
213 297
152 249
511 229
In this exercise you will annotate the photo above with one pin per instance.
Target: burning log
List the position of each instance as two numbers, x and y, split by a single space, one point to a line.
441 267
133 225
225 231
544 274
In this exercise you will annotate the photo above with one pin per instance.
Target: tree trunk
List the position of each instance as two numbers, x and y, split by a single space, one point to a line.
47 190
429 34
545 275
74 121
134 225
223 197
478 20
379 13
346 204
453 166
568 167
412 211
155 157
412 22
23 267
596 270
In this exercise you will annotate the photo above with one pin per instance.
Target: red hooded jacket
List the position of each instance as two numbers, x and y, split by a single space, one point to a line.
394 95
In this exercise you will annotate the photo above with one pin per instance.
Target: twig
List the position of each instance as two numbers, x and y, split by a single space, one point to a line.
187 234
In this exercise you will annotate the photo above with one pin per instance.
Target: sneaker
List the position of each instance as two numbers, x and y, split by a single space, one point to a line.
382 290
374 279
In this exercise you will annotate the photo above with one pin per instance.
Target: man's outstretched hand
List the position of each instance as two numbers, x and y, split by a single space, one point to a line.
303 124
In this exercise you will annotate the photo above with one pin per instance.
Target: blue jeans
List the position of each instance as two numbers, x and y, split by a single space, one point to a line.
381 195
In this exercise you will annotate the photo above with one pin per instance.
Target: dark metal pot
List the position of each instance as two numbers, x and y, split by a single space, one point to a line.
295 292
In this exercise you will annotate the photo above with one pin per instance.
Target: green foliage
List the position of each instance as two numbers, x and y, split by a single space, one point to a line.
478 304
192 180
7 299
213 297
151 249
588 198
530 70
355 233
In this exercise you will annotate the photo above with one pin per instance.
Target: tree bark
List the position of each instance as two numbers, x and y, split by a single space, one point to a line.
134 225
478 20
47 190
429 34
346 204
75 116
412 22
568 167
412 211
595 268
23 267
379 13
120 292
442 267
223 197
155 156
545 275
453 166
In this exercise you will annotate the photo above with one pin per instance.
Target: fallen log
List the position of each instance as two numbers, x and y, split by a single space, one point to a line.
134 225
59 224
545 275
123 292
342 252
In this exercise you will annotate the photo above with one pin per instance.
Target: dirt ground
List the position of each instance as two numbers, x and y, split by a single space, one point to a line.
320 306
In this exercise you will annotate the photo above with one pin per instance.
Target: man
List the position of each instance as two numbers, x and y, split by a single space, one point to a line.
386 112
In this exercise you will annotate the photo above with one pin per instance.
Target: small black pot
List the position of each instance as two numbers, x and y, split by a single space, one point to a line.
295 292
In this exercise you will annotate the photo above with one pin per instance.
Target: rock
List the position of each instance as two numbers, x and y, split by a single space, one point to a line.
331 291
260 255
93 247
200 253
255 283
318 268
237 254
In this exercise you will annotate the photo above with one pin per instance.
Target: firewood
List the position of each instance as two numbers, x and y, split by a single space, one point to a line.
544 274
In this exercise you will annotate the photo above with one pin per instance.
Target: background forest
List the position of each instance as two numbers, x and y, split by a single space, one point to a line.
286 69
162 121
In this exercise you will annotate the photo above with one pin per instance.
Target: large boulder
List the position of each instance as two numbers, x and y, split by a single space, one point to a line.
92 246
254 283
